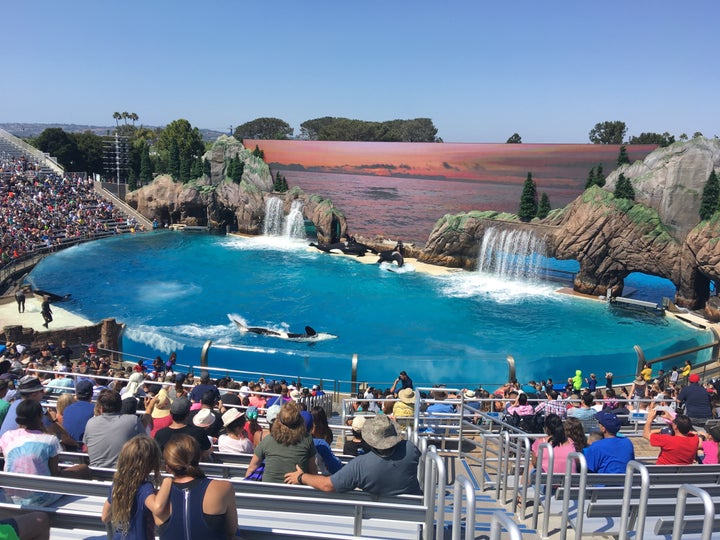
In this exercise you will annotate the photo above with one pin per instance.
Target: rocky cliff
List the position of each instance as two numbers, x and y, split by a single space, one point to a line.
659 233
219 202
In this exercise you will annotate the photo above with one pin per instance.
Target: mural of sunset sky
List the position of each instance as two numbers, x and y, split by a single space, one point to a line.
399 190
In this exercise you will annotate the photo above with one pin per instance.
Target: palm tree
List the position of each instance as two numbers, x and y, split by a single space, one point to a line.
134 117
117 116
125 116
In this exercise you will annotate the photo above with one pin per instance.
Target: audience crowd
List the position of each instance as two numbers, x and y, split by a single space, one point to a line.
41 210
102 410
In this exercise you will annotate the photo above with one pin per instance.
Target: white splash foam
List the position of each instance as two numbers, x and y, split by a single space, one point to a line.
148 335
269 243
503 291
392 267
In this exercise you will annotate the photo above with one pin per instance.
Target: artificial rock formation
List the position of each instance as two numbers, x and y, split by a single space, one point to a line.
221 203
658 234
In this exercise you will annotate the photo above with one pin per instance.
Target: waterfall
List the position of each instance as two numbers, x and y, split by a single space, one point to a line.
273 217
277 224
294 221
511 254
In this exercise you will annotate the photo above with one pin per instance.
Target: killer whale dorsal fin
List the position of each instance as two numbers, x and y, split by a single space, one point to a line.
310 331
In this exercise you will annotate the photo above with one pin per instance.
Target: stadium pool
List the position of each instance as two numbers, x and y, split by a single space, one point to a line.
174 291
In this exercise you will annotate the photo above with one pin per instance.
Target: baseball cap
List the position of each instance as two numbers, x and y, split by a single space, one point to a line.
694 377
609 421
84 388
180 406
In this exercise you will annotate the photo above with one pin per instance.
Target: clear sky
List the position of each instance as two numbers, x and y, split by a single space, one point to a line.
481 70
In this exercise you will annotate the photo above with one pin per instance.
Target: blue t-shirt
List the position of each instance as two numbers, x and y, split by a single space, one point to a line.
75 418
609 455
141 526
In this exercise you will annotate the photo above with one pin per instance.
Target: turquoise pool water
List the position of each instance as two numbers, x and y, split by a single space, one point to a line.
174 291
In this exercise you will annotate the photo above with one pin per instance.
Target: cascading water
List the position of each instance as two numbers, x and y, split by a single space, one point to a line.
273 225
294 222
511 254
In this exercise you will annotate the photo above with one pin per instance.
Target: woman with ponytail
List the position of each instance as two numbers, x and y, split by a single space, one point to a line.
129 508
189 505
559 441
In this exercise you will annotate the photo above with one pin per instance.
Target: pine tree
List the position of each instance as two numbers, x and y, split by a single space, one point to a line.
528 200
710 201
258 153
590 182
207 170
284 185
623 158
185 168
544 206
132 180
197 168
624 189
277 183
599 176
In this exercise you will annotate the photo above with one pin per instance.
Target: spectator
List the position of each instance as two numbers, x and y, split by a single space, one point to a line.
577 381
29 450
390 469
710 445
132 496
561 445
403 381
405 406
680 448
77 414
106 433
585 413
320 427
212 421
157 405
521 406
553 405
288 444
186 501
440 406
30 526
687 368
235 441
179 411
576 433
196 394
696 400
611 453
356 445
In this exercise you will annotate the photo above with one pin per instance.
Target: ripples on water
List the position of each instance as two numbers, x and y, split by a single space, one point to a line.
174 291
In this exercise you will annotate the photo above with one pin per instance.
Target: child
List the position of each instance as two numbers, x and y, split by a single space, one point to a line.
709 445
594 435
132 496
608 380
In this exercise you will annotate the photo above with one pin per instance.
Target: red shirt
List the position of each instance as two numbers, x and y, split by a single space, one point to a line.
675 449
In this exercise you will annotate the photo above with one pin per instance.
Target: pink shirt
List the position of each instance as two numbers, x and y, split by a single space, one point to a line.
560 454
710 450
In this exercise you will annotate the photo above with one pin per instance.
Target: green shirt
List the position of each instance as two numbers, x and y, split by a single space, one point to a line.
280 459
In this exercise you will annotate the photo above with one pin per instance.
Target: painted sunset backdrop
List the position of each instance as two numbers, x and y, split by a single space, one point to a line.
399 190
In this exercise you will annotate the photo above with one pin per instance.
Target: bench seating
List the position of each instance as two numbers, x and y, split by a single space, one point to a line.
603 500
266 509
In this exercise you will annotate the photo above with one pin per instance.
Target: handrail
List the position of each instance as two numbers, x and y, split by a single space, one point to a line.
707 501
500 520
580 458
463 483
34 152
434 493
642 505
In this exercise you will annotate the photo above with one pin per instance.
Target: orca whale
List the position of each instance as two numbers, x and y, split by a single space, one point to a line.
309 335
394 254
350 247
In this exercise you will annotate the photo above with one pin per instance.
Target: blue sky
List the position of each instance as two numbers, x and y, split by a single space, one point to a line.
481 70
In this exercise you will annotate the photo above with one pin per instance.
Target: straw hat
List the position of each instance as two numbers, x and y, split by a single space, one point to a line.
204 418
407 395
469 394
230 416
